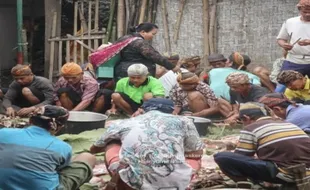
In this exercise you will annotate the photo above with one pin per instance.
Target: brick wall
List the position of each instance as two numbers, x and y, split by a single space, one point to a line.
248 26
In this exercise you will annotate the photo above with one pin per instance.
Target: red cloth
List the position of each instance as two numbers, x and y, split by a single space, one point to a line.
104 55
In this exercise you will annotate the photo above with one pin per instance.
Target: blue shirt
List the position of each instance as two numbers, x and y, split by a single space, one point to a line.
30 159
299 116
217 81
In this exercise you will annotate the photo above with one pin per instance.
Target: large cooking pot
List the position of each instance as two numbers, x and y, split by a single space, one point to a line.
201 124
80 121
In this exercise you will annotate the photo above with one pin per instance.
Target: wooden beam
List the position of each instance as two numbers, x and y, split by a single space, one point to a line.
50 7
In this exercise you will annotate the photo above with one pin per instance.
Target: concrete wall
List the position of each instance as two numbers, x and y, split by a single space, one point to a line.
248 26
8 29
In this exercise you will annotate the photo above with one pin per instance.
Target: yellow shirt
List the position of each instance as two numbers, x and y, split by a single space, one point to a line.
301 94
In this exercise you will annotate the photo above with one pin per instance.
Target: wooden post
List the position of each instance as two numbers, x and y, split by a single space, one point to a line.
50 7
52 54
76 7
59 56
165 23
205 21
212 23
90 4
83 28
120 18
96 45
142 11
179 19
110 24
149 11
68 58
127 16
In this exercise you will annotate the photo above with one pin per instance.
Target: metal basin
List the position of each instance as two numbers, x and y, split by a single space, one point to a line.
201 124
80 121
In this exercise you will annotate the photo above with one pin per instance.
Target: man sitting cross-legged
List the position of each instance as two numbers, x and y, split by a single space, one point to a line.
32 158
132 91
76 91
27 92
278 145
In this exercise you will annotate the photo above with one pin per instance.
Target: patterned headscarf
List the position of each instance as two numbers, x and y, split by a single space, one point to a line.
237 78
274 99
187 78
21 70
253 109
304 4
288 76
240 60
55 115
137 70
191 61
71 69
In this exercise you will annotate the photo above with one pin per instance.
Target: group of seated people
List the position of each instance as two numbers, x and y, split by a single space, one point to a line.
152 134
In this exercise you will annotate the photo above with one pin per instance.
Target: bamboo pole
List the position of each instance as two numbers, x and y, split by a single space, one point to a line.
212 23
178 24
215 28
84 28
81 43
149 11
113 37
68 59
142 11
120 18
165 23
136 18
205 6
98 37
96 45
19 11
59 56
75 30
90 3
52 51
109 29
154 12
127 16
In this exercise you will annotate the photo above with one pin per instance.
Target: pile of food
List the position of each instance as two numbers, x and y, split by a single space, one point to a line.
13 122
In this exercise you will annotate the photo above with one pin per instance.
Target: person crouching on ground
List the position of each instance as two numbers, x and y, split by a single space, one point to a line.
284 108
193 95
297 86
242 91
27 92
76 91
32 158
277 144
154 150
132 91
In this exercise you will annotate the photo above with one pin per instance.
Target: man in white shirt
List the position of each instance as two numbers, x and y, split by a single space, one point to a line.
294 37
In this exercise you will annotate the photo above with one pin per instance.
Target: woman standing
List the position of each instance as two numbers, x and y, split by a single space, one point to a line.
140 51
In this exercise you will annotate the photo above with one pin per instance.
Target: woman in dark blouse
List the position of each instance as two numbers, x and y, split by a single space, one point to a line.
140 51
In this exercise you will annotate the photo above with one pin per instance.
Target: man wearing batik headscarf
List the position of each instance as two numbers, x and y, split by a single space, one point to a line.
132 91
295 39
193 96
277 144
242 91
76 91
297 86
297 114
33 158
26 92
192 65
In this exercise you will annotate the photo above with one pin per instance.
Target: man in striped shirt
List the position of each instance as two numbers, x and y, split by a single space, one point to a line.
277 144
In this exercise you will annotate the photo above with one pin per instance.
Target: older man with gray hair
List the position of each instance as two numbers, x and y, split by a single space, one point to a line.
132 91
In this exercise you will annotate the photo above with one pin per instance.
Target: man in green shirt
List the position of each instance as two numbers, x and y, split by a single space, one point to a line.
131 91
